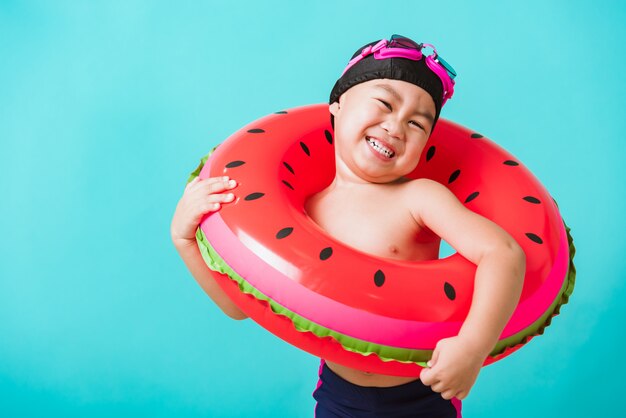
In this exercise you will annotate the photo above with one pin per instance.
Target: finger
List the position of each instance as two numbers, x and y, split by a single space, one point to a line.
228 197
222 197
211 207
192 182
216 198
216 180
198 182
434 358
438 387
220 185
432 374
426 376
448 394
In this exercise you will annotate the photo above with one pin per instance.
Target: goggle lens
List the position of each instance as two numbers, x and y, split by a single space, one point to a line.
403 42
447 67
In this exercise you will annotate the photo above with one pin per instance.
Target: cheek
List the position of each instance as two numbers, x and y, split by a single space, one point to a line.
346 145
357 119
417 147
371 112
365 109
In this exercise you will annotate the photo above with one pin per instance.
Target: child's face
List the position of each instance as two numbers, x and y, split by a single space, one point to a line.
390 114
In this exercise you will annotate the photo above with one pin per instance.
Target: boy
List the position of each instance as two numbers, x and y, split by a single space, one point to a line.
384 107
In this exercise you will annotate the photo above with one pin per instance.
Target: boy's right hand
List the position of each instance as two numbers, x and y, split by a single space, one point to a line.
199 198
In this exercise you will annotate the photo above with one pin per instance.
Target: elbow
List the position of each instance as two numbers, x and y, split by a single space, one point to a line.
510 254
508 249
518 255
235 314
517 258
516 252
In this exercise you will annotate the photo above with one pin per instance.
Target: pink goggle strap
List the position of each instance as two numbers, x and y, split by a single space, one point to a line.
381 51
364 53
448 83
441 72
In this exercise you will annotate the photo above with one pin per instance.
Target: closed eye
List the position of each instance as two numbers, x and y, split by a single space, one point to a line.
418 125
387 105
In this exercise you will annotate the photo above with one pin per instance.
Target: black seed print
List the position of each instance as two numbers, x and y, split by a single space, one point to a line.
511 163
305 148
449 291
379 278
430 153
281 112
285 232
326 253
288 167
472 197
532 199
256 131
234 164
454 176
329 136
534 237
254 196
476 135
287 184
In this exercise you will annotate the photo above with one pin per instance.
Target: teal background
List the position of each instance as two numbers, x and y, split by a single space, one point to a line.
105 107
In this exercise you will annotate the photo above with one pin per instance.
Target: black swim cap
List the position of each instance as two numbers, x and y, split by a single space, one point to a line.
370 68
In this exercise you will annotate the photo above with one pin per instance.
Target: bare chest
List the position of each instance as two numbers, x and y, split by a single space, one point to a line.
381 226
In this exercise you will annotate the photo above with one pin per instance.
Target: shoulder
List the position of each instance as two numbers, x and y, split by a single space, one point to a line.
426 188
424 196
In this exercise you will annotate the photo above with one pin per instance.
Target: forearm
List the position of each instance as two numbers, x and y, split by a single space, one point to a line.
190 254
497 288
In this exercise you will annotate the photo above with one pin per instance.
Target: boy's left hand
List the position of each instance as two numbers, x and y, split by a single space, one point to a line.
453 368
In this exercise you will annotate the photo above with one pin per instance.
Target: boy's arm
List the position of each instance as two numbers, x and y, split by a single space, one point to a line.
201 197
497 287
190 254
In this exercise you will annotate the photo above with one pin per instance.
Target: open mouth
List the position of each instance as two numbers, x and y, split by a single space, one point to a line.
380 147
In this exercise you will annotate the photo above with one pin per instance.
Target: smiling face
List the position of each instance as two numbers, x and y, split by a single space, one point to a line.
381 128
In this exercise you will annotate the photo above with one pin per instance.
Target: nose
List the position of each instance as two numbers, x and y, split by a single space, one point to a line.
394 127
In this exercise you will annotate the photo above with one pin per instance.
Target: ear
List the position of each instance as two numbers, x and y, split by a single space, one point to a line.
334 108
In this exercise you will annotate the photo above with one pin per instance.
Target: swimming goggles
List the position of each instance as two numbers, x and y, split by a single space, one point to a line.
402 47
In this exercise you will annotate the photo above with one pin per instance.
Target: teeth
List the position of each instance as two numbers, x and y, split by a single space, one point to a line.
380 147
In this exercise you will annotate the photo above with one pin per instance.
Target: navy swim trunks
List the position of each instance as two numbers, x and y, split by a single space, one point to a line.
336 397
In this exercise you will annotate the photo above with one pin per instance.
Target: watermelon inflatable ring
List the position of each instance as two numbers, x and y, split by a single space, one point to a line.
336 302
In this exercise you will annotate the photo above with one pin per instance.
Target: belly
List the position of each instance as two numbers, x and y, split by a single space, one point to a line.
360 378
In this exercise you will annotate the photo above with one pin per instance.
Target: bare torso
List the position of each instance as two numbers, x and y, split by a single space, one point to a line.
373 218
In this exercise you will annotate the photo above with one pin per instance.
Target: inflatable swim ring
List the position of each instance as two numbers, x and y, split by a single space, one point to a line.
336 302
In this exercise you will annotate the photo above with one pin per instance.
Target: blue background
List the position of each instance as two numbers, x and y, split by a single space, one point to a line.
105 107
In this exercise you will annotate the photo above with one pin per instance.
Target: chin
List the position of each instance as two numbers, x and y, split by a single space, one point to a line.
381 179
